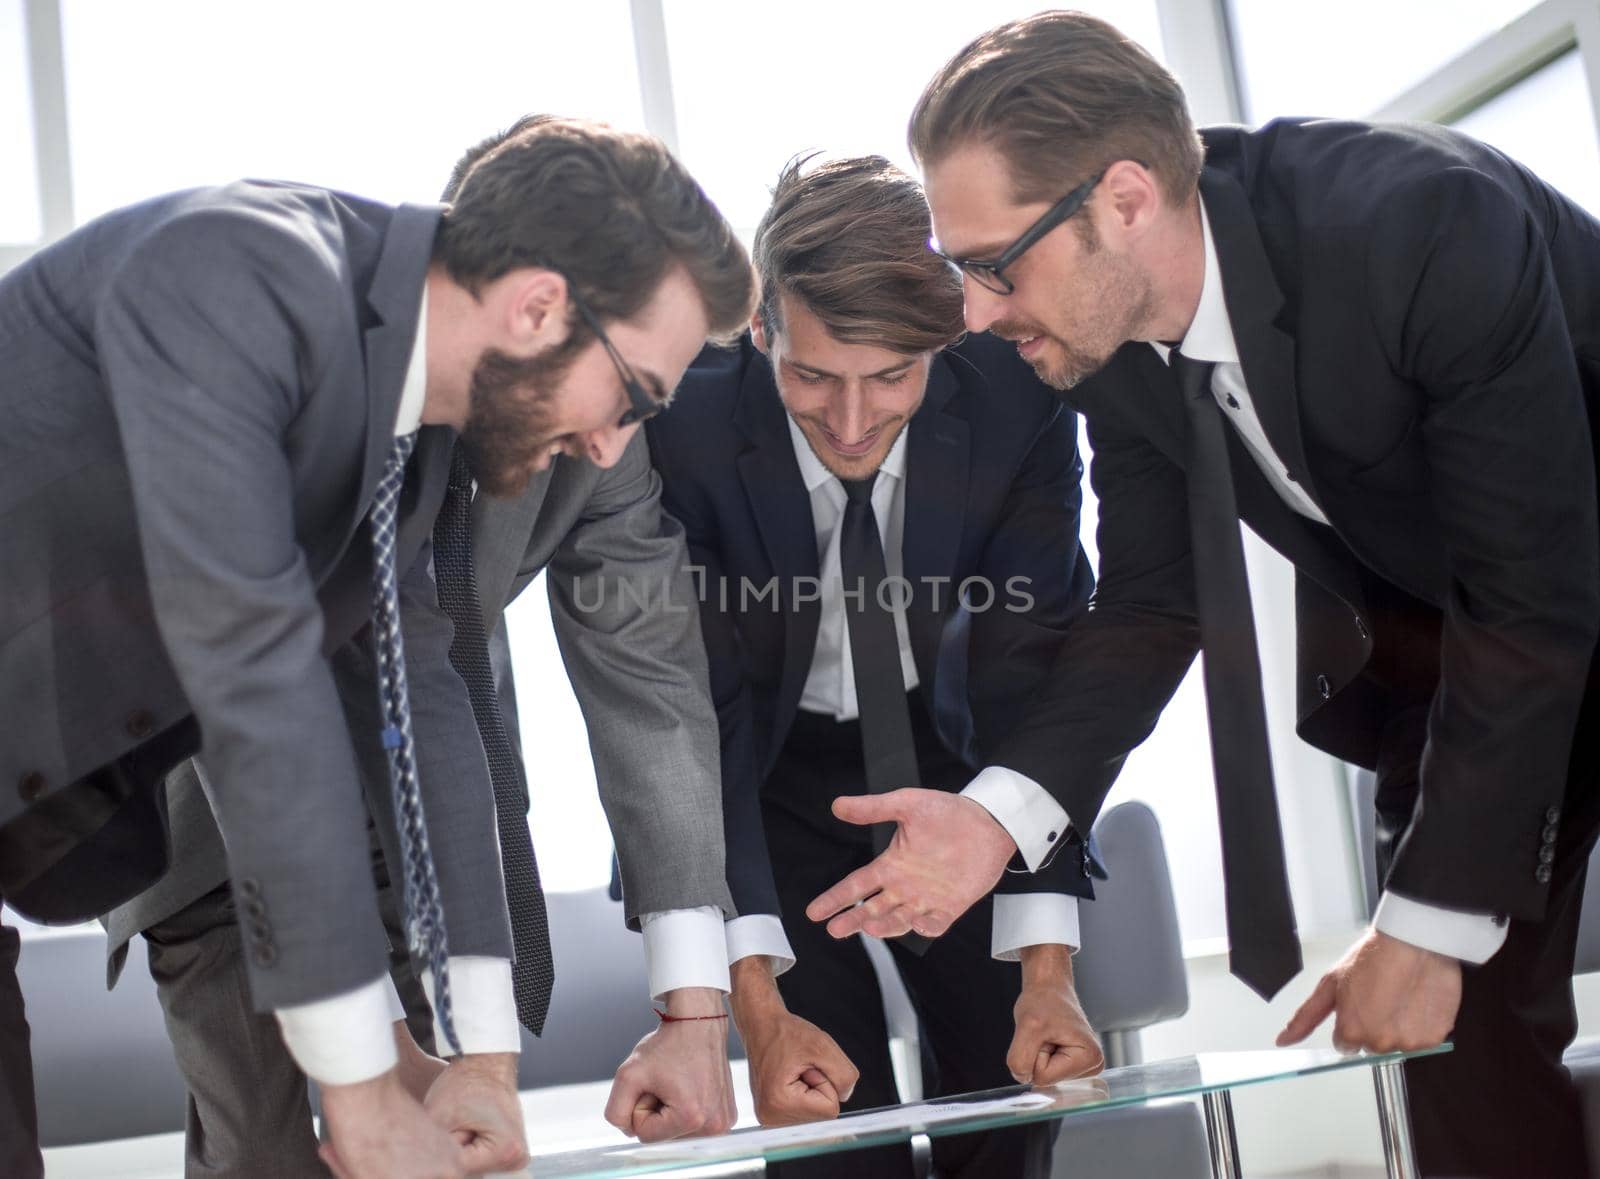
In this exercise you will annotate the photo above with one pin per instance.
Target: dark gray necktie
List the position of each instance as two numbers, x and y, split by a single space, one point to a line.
532 970
424 915
886 741
1264 951
887 745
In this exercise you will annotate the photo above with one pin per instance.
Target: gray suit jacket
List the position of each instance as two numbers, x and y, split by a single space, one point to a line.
200 393
639 671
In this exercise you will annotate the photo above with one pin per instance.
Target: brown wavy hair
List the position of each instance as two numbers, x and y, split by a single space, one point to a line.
1060 95
849 239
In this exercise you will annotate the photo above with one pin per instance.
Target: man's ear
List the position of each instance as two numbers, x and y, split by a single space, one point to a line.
536 304
758 330
1134 195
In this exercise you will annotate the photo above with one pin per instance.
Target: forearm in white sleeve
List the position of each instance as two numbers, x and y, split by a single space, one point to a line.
482 1005
1033 919
343 1039
1470 937
760 933
685 948
1034 820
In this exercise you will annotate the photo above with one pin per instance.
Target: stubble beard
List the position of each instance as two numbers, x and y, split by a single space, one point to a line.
1123 301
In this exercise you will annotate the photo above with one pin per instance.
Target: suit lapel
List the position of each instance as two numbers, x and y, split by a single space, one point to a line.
501 532
393 299
938 461
1254 300
782 508
1151 397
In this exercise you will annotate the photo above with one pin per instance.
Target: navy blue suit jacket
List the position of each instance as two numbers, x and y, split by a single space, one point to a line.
992 491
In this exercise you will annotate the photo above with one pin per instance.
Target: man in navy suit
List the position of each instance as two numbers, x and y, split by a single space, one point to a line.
878 657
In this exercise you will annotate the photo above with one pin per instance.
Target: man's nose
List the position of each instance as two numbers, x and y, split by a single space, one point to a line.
849 417
604 447
981 307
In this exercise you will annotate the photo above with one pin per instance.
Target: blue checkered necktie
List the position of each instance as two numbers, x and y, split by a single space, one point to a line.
424 916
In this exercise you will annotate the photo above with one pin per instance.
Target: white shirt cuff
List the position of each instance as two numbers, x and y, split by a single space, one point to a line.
1471 937
1032 919
342 1039
482 1004
685 948
1034 820
397 1010
760 933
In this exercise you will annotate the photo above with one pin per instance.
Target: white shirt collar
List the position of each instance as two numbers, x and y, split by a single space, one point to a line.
1210 335
815 474
414 391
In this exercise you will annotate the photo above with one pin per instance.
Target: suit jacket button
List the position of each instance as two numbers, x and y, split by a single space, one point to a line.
140 724
1324 687
1547 854
1550 834
1551 815
264 954
30 788
249 888
1542 873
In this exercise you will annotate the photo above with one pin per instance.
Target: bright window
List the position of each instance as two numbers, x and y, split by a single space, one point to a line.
1346 60
755 84
1546 121
374 98
19 195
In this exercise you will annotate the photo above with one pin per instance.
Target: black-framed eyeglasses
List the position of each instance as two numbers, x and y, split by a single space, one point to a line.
989 273
641 405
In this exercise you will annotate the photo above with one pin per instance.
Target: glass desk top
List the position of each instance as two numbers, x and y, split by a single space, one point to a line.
1181 1077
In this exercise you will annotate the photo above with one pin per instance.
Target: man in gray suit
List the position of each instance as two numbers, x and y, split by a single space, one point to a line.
639 674
203 393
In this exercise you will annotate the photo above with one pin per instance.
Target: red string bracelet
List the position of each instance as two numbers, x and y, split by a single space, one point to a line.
665 1018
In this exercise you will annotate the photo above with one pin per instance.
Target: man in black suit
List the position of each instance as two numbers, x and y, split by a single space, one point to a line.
848 405
232 413
1398 327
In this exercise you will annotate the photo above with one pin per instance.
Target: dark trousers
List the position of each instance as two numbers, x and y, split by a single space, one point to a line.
19 1120
962 996
1501 1104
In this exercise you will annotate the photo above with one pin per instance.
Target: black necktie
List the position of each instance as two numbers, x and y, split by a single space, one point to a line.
887 746
1264 951
532 971
886 741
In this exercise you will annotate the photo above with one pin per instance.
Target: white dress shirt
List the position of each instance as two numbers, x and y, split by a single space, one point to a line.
830 689
1471 937
348 1037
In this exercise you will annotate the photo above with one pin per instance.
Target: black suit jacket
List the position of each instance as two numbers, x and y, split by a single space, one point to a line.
992 491
1417 321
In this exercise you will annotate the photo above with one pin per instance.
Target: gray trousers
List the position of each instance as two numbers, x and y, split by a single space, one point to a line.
250 1111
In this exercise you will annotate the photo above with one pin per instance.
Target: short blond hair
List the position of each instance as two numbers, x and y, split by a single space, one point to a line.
849 239
1061 95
